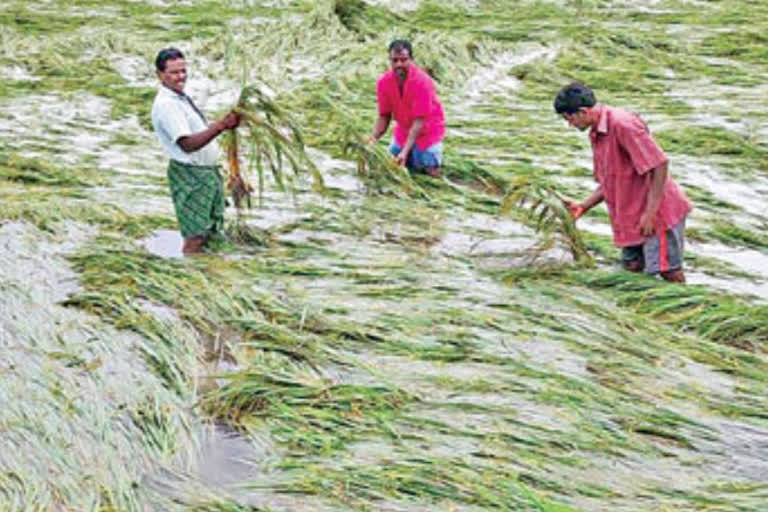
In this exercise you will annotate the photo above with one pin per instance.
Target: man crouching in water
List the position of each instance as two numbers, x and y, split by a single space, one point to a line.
188 140
408 94
646 207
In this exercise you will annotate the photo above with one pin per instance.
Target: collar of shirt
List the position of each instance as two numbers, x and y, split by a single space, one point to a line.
414 74
167 91
601 127
181 96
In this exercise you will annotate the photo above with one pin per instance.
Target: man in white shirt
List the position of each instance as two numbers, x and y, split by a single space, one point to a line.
188 140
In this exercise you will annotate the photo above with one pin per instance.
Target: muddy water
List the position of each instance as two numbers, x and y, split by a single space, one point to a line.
164 243
446 295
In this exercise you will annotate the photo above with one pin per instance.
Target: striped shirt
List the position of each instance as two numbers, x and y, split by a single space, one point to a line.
624 152
174 116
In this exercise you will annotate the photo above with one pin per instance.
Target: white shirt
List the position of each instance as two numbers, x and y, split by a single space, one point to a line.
173 117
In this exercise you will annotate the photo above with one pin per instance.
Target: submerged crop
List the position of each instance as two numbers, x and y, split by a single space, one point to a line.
391 344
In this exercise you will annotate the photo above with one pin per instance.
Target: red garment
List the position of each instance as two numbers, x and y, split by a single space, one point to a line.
419 99
624 152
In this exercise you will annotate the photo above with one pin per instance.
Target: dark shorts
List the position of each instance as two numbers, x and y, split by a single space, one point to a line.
419 160
649 253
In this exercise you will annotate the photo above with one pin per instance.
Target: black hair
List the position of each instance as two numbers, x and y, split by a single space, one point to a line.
165 55
573 97
399 45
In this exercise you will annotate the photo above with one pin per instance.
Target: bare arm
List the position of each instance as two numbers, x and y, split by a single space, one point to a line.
414 132
594 199
658 179
380 127
199 140
579 209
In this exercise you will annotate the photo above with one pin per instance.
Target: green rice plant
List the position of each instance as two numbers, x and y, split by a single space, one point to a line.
273 138
38 171
450 482
715 316
736 235
537 201
307 412
225 506
365 19
375 164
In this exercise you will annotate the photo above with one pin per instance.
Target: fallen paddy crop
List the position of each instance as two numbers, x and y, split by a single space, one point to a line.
386 342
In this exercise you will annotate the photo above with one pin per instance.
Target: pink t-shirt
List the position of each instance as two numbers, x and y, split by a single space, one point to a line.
624 152
419 99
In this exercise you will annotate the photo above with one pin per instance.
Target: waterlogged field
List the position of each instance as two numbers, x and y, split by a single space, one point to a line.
381 346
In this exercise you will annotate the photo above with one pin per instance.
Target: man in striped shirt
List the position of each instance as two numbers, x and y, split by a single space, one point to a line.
647 208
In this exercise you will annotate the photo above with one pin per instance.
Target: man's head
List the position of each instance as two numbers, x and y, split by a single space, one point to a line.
171 68
400 57
574 102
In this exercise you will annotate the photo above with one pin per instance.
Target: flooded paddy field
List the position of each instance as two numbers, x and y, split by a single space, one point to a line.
373 348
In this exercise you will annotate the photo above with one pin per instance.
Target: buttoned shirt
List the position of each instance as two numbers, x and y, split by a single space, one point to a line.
624 152
418 99
174 116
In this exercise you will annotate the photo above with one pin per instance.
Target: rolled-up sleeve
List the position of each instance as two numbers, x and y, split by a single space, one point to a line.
642 150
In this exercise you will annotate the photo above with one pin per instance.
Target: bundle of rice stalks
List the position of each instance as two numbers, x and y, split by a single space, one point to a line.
537 202
450 59
273 137
716 316
365 19
375 164
267 50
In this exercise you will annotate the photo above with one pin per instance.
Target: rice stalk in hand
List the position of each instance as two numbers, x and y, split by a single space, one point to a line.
274 138
375 164
537 202
236 183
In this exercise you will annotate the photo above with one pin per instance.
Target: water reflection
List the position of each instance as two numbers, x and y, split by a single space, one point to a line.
164 243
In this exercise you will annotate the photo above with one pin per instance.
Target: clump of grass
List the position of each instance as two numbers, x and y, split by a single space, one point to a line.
713 140
537 202
715 316
37 171
274 139
365 19
446 482
375 164
734 235
307 412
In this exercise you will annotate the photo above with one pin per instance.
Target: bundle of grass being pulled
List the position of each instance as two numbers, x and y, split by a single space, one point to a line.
375 164
272 138
536 201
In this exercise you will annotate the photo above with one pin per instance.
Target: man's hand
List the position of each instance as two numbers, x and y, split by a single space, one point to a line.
647 227
402 157
229 121
575 209
371 140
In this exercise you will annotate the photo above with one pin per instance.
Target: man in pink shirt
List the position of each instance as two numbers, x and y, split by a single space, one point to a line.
646 207
407 93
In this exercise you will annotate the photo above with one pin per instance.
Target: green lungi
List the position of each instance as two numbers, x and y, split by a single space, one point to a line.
198 198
